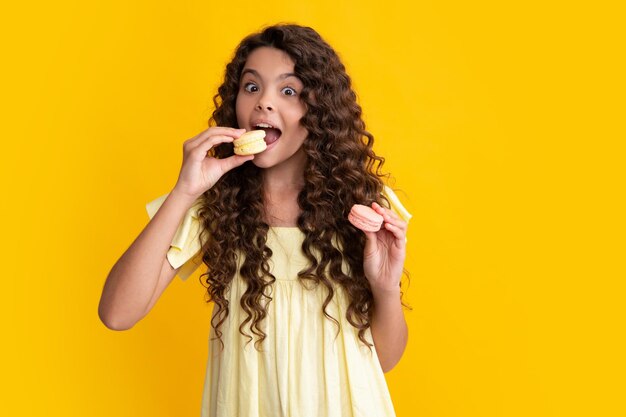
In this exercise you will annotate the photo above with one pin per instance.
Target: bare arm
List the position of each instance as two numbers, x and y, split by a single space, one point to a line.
383 263
389 329
142 273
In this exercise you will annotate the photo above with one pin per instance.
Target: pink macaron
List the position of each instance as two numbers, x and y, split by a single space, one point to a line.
365 218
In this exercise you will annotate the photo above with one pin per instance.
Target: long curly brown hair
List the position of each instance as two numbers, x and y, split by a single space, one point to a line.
341 170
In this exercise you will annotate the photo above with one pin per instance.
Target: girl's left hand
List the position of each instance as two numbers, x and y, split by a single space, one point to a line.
385 251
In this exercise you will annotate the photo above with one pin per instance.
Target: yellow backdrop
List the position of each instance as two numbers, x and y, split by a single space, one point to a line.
497 119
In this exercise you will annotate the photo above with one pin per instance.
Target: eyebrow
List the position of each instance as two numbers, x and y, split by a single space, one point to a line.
280 77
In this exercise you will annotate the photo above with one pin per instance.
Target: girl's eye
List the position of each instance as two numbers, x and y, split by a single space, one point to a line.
249 87
289 91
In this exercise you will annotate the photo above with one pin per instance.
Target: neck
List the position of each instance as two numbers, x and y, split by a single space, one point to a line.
286 176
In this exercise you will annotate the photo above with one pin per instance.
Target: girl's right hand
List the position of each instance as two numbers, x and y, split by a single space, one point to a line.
199 171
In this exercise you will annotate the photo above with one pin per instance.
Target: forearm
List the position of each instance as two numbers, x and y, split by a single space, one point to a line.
389 328
134 277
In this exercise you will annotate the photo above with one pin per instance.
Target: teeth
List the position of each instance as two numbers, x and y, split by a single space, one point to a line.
264 125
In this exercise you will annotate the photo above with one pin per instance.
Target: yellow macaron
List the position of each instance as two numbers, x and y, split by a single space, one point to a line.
250 142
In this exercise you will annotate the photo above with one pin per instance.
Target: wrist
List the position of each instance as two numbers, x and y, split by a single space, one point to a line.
186 198
386 294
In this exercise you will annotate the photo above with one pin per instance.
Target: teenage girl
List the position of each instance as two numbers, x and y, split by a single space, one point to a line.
285 268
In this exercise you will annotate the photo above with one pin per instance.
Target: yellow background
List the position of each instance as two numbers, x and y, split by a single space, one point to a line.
501 121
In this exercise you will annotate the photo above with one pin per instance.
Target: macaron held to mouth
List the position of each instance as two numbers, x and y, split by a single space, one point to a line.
272 133
250 143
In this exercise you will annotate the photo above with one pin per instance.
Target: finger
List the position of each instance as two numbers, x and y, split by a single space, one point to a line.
213 131
397 233
371 243
397 222
384 211
204 146
390 217
234 161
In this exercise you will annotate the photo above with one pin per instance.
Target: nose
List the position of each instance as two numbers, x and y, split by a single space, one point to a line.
261 106
264 102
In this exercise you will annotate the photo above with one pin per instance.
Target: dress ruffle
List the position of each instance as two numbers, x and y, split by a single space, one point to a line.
396 205
184 252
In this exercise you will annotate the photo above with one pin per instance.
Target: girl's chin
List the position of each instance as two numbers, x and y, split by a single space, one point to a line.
261 161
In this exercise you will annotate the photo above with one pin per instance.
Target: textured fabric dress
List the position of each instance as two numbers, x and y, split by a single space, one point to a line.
308 366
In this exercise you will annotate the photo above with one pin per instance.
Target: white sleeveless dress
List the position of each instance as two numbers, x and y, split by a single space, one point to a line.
307 367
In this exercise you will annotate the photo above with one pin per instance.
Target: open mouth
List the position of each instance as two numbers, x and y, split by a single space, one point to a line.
271 133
